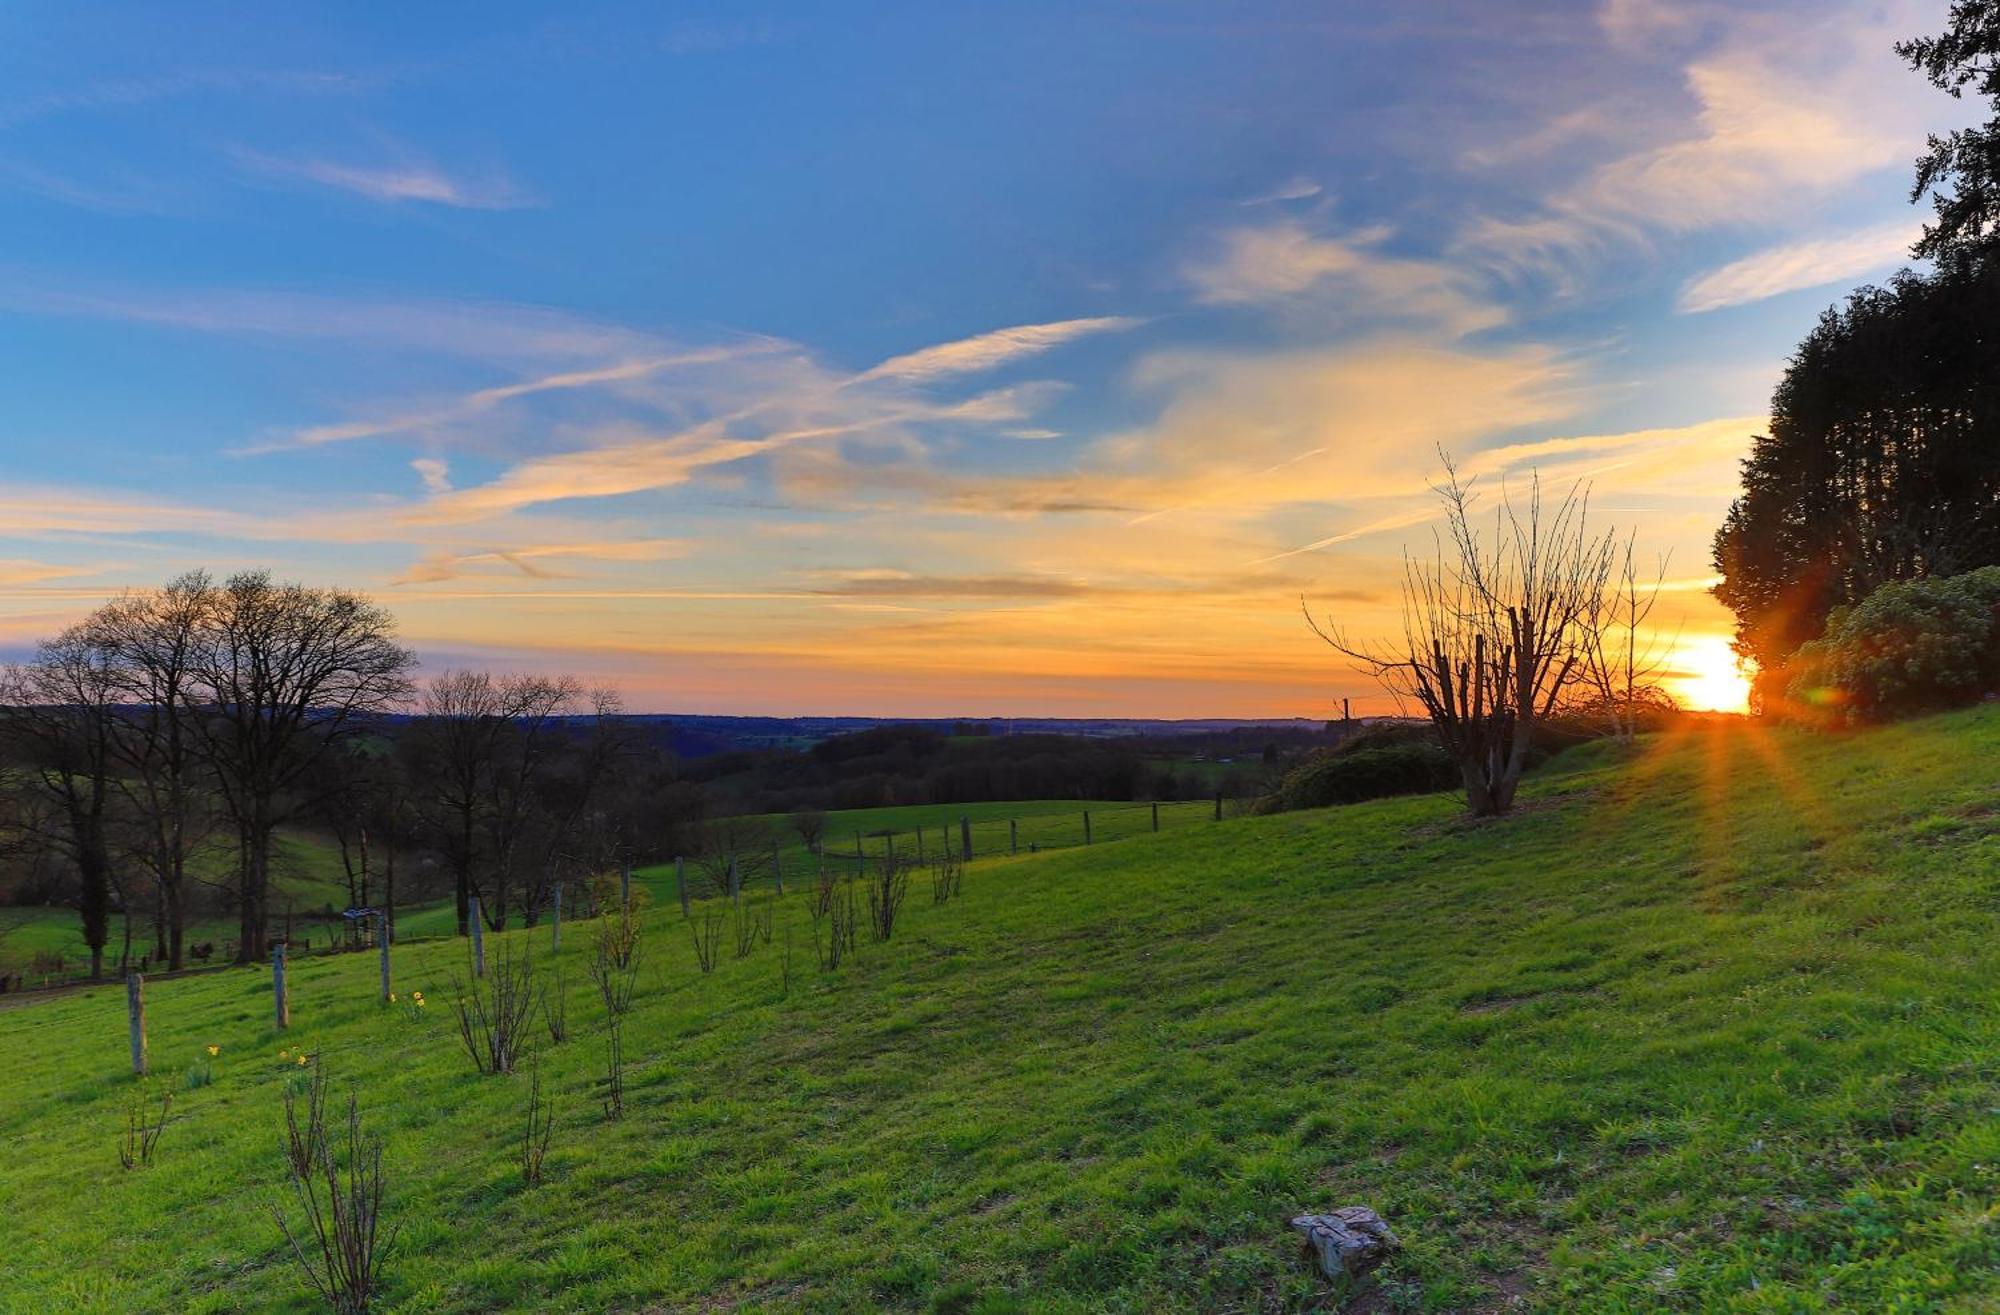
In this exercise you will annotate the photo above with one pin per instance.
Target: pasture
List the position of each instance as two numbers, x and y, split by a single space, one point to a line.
1709 1027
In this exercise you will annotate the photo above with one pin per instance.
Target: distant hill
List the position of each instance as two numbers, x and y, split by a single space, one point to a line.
700 735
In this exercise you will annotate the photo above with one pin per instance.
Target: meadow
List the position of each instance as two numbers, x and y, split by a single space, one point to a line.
1706 1026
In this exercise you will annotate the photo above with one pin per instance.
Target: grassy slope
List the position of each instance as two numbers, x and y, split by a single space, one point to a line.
1043 823
1712 1030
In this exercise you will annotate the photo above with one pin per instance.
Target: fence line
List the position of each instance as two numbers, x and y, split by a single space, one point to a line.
777 860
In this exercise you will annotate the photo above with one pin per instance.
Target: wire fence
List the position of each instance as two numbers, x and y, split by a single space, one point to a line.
779 864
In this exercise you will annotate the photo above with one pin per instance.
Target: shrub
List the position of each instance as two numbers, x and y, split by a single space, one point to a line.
1372 765
1911 646
336 1177
494 1013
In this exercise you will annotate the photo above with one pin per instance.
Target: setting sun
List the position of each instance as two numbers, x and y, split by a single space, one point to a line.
1705 675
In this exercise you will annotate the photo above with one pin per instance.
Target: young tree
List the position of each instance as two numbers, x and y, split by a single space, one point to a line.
1494 631
810 824
286 672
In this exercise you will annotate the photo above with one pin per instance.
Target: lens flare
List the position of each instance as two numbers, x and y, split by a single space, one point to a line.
1705 675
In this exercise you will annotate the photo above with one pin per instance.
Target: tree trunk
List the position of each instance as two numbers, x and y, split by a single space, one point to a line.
253 945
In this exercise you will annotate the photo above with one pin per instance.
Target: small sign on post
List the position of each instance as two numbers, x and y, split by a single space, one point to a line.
478 939
281 998
135 1009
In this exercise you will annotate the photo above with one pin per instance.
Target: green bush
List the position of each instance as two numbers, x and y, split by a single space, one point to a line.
1348 775
1911 646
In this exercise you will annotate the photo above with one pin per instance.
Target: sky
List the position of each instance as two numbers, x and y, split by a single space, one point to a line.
912 359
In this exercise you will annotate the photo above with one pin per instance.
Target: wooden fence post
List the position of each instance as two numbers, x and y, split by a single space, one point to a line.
625 884
1218 805
281 997
382 936
135 1009
965 837
735 881
778 867
478 940
1013 836
681 883
1086 826
1156 815
555 923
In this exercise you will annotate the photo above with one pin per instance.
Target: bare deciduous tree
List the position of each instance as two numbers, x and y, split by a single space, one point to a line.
61 718
1623 655
481 738
1495 631
285 672
810 823
151 641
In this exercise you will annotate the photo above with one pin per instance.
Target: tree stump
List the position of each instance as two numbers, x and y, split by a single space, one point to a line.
1349 1241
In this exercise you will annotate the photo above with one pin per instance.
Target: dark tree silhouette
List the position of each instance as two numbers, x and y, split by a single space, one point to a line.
1882 462
1961 170
286 673
1883 459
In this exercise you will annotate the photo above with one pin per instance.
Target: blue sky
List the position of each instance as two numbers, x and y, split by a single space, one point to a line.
907 358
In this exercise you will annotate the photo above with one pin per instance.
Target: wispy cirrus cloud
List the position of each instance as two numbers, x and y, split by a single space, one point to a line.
1299 188
988 351
1350 275
1793 266
539 561
463 408
1772 113
392 183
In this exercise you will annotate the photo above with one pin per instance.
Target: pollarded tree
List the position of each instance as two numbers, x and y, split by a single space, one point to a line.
1495 631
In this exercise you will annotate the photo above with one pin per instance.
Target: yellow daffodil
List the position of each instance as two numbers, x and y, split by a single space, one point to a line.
420 1002
392 997
213 1051
302 1059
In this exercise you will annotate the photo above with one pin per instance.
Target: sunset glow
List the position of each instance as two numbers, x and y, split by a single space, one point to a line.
1057 397
1705 675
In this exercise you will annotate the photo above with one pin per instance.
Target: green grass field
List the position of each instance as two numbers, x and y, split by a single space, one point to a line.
1004 828
1714 1028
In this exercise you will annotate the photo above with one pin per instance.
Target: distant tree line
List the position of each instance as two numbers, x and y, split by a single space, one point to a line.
912 764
